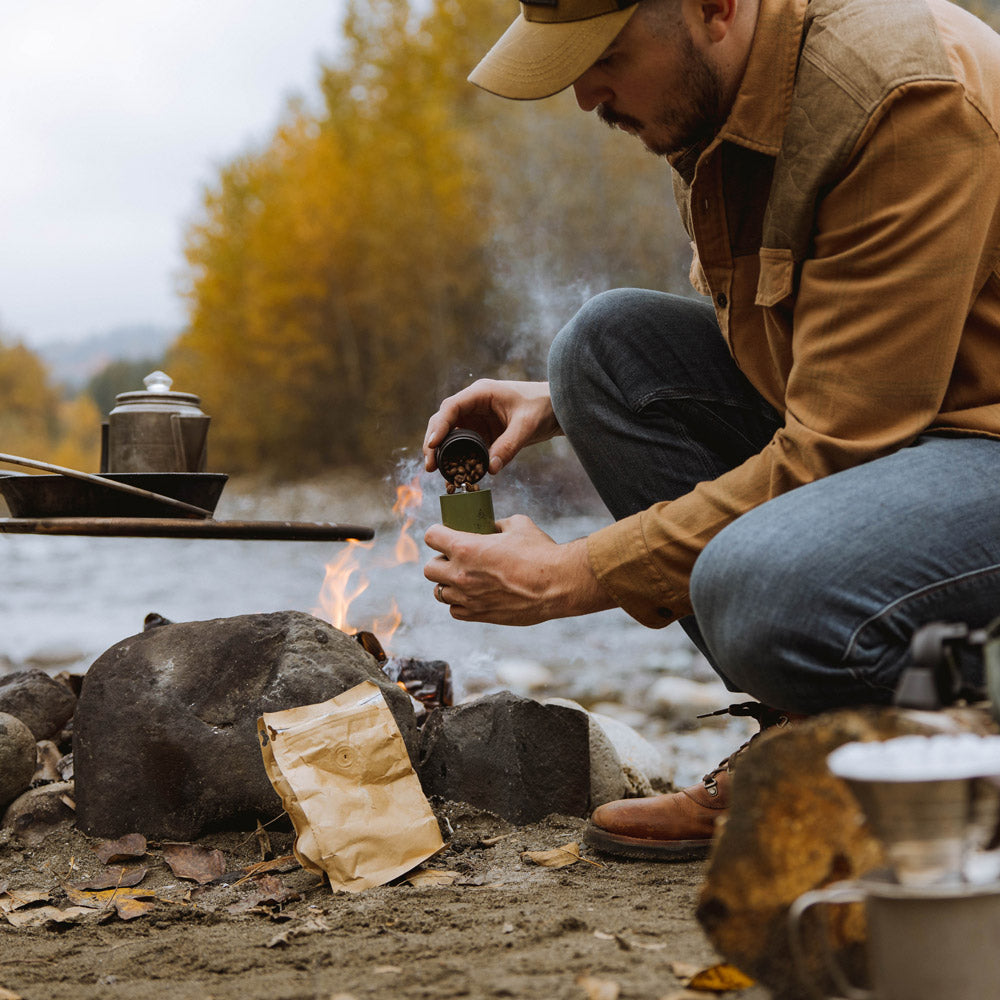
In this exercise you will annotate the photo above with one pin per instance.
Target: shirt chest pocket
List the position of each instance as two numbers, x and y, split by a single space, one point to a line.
776 281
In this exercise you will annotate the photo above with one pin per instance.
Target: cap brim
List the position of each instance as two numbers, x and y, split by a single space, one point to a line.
535 59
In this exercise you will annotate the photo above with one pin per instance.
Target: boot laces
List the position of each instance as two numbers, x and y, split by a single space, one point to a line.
765 716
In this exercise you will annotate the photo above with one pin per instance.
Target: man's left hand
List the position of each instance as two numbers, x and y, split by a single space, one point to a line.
517 577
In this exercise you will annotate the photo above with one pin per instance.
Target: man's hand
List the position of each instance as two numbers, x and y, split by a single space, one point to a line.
509 415
517 577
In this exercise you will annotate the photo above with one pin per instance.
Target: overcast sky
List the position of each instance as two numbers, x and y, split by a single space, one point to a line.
113 115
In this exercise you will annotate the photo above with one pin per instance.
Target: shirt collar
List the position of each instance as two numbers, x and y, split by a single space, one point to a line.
762 103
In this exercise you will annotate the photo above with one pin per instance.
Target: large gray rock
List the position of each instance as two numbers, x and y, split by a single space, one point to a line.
17 757
510 756
44 705
165 734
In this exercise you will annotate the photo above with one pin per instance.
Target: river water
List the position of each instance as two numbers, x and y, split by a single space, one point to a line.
64 600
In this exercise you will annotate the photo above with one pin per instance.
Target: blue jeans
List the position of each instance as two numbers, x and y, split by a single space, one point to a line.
809 601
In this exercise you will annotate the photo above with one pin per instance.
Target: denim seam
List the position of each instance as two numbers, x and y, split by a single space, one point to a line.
911 596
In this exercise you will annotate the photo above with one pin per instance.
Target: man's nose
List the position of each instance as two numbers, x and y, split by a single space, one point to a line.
590 91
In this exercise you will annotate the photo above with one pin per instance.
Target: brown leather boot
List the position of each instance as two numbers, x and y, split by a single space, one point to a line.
678 826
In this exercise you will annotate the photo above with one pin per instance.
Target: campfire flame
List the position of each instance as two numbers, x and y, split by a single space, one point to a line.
344 582
408 497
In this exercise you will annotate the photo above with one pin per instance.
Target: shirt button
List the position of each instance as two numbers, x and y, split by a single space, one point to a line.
722 300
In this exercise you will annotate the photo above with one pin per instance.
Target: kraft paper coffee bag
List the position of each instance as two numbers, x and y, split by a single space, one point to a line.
345 779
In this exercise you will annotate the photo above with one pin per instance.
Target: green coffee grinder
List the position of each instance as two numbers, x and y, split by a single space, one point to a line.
463 458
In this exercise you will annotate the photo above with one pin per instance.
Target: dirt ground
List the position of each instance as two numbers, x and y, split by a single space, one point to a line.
597 929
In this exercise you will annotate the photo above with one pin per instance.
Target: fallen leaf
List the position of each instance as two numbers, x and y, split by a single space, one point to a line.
114 877
268 891
558 857
285 863
132 845
199 864
39 916
9 995
431 876
128 907
16 899
47 757
598 989
720 979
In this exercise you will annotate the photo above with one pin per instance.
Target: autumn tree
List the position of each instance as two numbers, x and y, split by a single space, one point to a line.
36 422
411 233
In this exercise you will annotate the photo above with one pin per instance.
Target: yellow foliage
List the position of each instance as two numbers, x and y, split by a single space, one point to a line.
376 253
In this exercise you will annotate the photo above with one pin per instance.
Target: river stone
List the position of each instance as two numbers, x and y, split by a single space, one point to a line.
792 827
17 757
31 817
165 736
511 756
43 704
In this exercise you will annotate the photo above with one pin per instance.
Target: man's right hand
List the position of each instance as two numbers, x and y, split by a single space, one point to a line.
509 415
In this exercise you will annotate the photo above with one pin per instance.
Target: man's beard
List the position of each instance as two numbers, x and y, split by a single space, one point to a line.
698 120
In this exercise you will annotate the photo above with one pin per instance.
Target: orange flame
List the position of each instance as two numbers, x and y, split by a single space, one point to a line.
341 586
338 592
407 497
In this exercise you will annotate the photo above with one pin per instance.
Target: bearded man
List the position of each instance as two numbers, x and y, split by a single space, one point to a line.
803 468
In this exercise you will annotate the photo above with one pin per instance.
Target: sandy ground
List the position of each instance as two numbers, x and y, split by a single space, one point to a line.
505 927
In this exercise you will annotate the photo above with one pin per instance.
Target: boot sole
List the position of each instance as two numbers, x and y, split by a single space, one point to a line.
644 848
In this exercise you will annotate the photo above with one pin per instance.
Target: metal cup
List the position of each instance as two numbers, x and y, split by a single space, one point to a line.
934 943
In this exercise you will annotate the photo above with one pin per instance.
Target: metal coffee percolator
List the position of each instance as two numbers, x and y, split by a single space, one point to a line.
155 430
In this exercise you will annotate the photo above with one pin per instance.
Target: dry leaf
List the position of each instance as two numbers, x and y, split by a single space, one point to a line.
112 878
132 845
720 979
558 857
599 989
199 864
38 916
9 995
16 899
431 876
285 863
128 907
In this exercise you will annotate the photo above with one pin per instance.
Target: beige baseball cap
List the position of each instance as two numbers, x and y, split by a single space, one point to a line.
550 45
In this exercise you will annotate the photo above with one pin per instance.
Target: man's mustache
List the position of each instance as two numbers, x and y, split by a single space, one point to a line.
615 118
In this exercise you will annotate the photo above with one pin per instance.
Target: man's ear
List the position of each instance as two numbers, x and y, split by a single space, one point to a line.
715 17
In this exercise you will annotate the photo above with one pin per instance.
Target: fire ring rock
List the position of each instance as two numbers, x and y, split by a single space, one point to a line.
511 756
42 703
17 757
165 734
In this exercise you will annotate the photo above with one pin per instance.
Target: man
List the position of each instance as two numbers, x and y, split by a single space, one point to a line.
806 470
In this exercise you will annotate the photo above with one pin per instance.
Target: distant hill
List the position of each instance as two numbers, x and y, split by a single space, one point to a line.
72 363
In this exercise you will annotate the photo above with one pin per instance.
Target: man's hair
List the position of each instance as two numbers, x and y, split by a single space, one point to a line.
663 17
